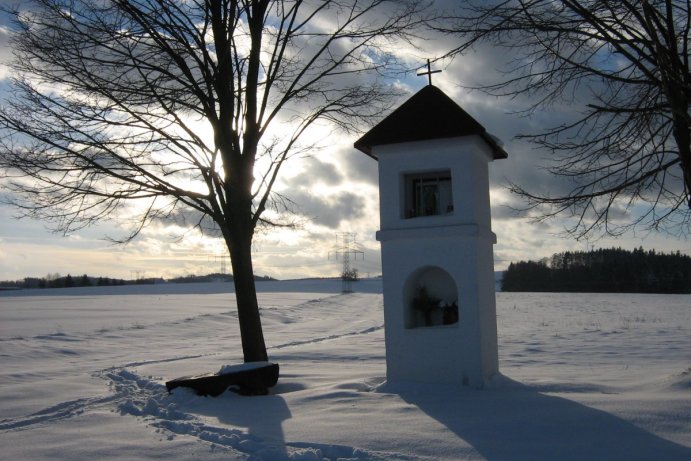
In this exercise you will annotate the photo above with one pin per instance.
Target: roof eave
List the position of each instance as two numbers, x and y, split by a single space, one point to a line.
365 149
498 152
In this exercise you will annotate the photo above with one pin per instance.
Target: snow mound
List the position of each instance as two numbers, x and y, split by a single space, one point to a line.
225 369
681 382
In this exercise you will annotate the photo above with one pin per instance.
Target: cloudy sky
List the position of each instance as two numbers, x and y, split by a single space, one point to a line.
335 191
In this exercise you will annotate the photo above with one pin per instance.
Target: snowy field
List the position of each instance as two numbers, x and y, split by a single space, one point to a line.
584 377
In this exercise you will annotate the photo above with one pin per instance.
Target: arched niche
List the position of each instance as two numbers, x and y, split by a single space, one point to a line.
430 298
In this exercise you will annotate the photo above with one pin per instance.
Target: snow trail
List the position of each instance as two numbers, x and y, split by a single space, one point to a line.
146 399
61 411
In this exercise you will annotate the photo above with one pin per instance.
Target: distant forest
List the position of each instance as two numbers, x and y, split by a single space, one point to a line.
602 271
58 281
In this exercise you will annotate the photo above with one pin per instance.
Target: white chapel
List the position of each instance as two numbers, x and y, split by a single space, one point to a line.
436 241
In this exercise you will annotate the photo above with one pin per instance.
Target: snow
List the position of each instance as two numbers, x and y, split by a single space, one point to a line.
227 369
584 376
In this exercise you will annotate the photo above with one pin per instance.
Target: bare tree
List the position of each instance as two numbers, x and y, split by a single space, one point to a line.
173 108
629 147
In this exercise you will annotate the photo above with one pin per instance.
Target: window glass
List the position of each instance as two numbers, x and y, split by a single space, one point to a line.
428 194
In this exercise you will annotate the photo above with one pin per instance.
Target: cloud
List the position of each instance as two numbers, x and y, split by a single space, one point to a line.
328 210
315 172
336 190
360 167
6 24
5 52
323 191
183 219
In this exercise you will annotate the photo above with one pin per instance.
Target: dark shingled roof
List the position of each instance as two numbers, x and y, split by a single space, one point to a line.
428 114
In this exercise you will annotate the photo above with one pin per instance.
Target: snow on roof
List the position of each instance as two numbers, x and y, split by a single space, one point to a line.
428 114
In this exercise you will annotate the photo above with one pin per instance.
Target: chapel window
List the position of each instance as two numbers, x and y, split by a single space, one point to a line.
428 194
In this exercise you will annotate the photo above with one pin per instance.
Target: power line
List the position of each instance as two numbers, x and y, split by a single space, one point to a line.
224 259
347 249
137 274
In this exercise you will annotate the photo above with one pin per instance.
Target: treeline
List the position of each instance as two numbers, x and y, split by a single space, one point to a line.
58 281
602 271
214 278
67 281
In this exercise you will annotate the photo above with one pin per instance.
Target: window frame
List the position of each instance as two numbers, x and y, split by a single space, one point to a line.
414 185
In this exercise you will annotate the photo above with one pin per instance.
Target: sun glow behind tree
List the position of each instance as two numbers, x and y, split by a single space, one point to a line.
174 106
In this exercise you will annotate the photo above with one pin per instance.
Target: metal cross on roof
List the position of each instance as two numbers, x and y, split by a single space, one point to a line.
429 72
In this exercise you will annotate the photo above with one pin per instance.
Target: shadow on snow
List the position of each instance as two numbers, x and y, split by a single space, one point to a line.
513 421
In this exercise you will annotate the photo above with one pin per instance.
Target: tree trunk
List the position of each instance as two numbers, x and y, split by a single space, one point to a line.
240 246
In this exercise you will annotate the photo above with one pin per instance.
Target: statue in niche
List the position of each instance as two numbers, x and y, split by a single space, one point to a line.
428 305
